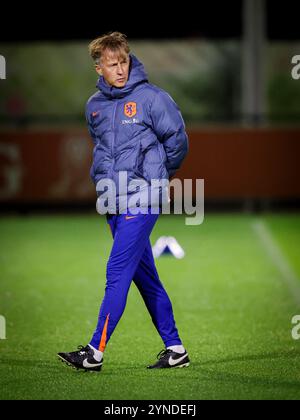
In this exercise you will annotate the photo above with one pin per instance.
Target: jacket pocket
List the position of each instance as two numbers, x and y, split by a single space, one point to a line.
154 165
162 153
127 158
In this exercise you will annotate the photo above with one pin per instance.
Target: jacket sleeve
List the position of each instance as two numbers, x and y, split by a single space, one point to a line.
169 127
90 127
93 137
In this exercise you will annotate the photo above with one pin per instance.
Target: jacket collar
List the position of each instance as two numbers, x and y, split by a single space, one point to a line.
137 76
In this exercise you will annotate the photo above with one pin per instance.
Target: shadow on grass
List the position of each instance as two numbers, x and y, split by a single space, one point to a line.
56 365
292 354
205 371
253 378
39 364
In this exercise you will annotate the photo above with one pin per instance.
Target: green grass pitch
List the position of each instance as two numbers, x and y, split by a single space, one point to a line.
232 304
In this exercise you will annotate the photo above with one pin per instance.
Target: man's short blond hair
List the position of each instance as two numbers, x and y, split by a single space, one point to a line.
113 41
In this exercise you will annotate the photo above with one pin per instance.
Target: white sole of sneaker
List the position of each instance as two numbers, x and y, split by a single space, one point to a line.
76 368
183 366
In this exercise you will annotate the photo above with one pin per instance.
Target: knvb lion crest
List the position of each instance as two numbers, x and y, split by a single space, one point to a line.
130 109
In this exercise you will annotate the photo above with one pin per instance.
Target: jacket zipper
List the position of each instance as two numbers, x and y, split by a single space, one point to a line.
113 130
113 139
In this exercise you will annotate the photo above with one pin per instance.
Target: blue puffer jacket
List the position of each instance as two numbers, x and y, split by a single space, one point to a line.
138 129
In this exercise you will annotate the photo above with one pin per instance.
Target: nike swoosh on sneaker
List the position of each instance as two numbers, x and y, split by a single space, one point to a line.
87 365
175 362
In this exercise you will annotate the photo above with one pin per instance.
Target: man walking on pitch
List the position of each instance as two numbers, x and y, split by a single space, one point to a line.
137 128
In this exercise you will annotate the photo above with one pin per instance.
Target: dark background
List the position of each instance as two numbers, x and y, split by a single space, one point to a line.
209 19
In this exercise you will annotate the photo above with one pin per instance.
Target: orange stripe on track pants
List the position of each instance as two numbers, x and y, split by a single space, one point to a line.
104 335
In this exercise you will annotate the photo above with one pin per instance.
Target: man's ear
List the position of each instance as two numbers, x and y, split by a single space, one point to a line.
98 69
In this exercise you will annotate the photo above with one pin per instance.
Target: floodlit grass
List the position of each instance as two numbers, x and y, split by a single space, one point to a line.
232 308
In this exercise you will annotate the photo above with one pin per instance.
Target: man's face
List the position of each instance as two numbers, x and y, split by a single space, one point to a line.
114 67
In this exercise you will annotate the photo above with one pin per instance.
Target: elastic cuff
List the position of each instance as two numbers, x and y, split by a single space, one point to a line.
173 343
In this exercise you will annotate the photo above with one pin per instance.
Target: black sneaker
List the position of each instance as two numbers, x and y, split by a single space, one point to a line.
82 359
169 359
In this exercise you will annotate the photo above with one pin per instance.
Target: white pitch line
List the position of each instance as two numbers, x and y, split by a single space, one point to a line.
288 275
